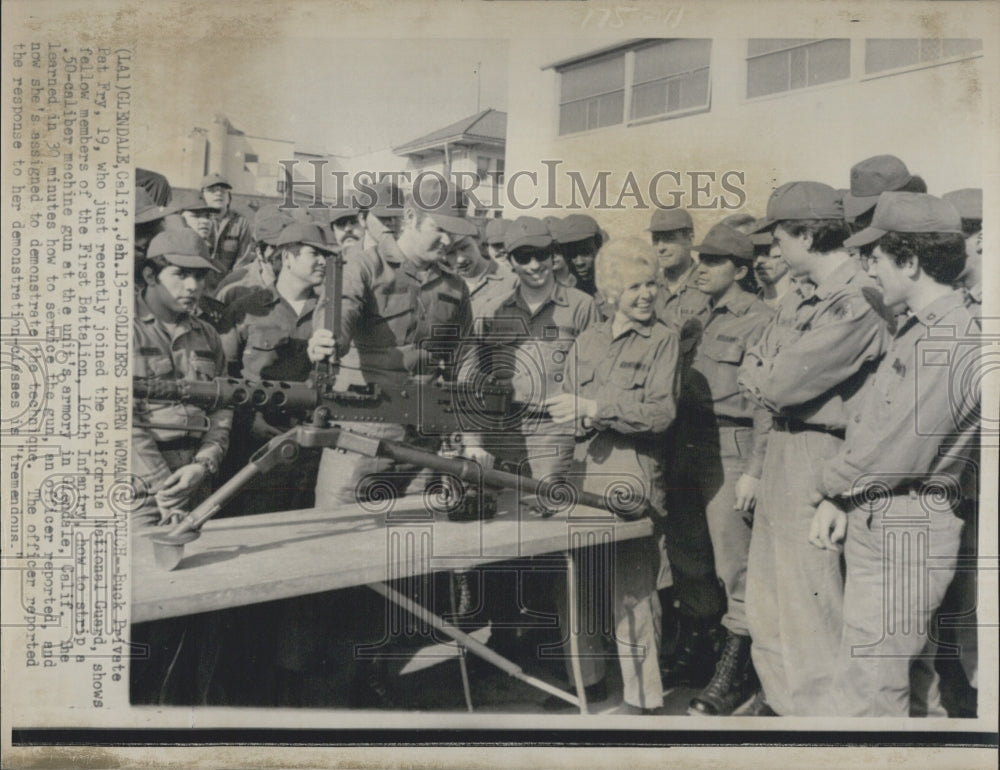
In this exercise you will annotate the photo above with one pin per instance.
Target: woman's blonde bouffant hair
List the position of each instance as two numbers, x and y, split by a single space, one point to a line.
618 258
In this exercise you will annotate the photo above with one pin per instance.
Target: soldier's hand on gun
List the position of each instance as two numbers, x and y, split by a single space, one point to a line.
566 407
178 486
829 526
472 449
320 346
746 493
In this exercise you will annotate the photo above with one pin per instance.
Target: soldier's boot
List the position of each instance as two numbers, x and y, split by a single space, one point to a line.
733 683
695 654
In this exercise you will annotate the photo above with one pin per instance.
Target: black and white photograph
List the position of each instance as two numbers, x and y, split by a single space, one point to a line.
551 383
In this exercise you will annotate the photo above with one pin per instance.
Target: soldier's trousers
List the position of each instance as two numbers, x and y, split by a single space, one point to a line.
794 592
900 553
709 460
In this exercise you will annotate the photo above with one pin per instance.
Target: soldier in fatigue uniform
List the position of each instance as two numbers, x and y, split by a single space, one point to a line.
672 233
266 338
345 223
619 388
189 211
488 283
961 599
495 247
560 267
398 298
869 179
969 203
579 238
174 461
718 451
176 448
528 339
770 269
231 239
808 370
258 272
898 470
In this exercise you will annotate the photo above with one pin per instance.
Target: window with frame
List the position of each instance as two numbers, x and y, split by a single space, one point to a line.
669 77
592 94
882 54
776 65
482 167
498 174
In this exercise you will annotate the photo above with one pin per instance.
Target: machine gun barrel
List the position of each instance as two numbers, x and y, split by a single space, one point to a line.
228 393
559 494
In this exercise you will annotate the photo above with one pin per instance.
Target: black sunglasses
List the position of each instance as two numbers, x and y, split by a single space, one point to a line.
525 257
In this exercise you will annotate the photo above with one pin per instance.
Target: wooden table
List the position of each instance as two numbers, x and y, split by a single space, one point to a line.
250 559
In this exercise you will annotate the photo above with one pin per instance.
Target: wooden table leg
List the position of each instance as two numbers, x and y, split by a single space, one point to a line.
574 631
462 665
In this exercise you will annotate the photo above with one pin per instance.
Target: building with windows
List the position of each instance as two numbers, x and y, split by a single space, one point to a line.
715 125
252 164
472 149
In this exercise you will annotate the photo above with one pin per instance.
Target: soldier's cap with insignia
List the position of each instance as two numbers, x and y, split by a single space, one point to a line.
307 234
183 248
215 179
869 179
495 229
725 241
446 204
188 200
146 209
268 223
968 201
666 220
529 232
906 212
801 200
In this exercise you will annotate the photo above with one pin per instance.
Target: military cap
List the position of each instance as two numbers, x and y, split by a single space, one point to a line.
268 223
495 230
666 220
870 178
146 209
968 201
214 179
906 212
722 240
527 232
183 248
445 204
801 200
308 234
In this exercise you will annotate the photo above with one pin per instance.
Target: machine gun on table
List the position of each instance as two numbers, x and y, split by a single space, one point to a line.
445 409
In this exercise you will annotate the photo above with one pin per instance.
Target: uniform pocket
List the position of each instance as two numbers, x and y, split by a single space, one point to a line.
158 366
393 305
266 337
724 352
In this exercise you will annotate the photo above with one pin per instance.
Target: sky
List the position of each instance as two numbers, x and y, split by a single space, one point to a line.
341 96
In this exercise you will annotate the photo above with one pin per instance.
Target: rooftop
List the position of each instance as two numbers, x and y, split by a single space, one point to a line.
486 127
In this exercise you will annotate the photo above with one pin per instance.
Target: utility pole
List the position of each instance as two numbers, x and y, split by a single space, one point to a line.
479 66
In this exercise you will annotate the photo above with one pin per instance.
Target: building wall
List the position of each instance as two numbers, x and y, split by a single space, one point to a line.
932 118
